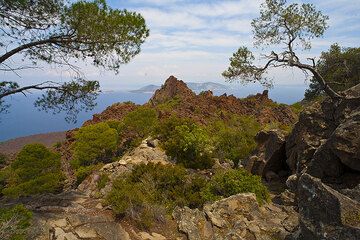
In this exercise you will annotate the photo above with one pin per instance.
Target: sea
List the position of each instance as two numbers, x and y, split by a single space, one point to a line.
23 119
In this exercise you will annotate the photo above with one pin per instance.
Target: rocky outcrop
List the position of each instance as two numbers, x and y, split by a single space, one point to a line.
323 153
326 213
174 97
269 158
237 217
148 151
172 88
114 112
326 140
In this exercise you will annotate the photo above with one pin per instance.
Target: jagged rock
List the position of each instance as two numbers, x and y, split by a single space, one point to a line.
237 217
326 213
269 157
114 112
345 142
192 222
308 134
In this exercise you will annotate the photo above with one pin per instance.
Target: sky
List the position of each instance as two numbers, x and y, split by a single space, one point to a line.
193 40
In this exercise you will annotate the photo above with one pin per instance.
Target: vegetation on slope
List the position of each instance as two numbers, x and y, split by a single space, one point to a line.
35 170
151 191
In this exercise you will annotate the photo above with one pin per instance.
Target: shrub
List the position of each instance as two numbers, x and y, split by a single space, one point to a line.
234 181
151 190
140 122
35 170
234 139
13 222
93 144
186 142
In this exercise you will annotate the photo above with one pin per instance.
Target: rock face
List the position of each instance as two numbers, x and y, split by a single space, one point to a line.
326 213
323 153
115 112
326 140
269 158
237 217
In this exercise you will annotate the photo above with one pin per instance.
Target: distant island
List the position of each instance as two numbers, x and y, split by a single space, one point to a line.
196 87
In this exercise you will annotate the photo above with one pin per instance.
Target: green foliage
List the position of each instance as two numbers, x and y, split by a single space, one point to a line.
35 170
13 222
190 145
279 22
69 97
234 139
93 144
140 122
151 187
170 104
340 68
292 26
231 182
3 159
297 107
104 179
150 191
57 32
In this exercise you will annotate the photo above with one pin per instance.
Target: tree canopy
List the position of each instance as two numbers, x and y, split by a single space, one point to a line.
290 26
340 68
61 34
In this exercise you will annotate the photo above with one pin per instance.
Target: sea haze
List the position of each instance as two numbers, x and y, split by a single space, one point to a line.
23 119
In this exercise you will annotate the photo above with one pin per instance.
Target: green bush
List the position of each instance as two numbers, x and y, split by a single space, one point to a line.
14 222
93 144
35 170
140 122
186 142
151 190
235 138
234 181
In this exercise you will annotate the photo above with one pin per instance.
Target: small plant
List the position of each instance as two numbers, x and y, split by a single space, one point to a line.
14 222
234 181
84 171
35 170
104 179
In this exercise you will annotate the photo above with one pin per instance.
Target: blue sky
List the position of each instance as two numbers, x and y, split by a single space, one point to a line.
193 40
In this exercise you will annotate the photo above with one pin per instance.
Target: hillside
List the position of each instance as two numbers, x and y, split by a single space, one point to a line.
15 145
196 166
175 97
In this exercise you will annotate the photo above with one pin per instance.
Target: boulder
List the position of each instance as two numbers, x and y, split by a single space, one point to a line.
237 217
345 142
326 213
269 158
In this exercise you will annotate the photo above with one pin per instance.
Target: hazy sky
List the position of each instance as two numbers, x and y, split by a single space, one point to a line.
193 40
